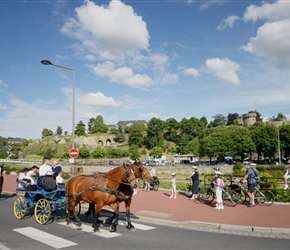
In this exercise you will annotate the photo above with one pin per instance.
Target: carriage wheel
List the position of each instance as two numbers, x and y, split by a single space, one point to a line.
20 207
42 211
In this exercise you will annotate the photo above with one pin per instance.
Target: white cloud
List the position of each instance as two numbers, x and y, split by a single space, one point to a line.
98 99
124 29
223 69
3 107
3 84
169 79
148 116
276 11
190 71
228 22
123 75
272 40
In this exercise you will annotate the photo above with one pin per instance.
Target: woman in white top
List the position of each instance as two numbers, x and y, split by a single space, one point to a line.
45 169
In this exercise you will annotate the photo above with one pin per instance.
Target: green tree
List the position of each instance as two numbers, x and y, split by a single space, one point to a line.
46 132
265 139
232 117
58 130
137 135
156 152
120 135
80 128
84 153
154 133
171 127
98 153
284 135
218 120
134 152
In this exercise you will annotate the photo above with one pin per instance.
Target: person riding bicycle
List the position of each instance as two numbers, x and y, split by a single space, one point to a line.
250 177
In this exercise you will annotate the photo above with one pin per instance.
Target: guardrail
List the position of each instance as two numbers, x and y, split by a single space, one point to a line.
20 161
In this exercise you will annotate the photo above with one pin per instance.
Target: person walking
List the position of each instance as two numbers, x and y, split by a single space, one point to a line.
173 186
250 177
195 182
218 189
287 175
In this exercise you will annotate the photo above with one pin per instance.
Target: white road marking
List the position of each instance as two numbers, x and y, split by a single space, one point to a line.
136 225
45 238
89 229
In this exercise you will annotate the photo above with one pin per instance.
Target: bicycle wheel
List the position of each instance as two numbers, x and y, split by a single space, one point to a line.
230 198
206 195
264 197
188 191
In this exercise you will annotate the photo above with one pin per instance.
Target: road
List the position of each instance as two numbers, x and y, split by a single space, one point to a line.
27 234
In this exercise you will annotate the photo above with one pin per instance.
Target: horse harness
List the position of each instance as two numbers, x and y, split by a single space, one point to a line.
105 187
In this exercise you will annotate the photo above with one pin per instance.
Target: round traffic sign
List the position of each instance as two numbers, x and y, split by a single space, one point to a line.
73 153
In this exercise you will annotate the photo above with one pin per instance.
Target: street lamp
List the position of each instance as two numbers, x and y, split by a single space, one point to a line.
46 62
279 152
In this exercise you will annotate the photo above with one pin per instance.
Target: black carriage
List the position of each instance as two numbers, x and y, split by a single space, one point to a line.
41 201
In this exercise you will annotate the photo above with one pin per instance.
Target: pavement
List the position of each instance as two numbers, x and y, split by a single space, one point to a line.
156 207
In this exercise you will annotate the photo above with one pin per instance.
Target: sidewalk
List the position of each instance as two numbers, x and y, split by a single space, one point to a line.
156 205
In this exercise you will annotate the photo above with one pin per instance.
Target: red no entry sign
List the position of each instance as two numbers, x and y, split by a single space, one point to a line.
73 153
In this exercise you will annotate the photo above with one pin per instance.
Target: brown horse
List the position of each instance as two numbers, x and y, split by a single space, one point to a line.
140 172
1 178
100 189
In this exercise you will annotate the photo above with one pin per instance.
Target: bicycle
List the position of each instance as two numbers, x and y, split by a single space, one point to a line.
263 196
206 195
229 195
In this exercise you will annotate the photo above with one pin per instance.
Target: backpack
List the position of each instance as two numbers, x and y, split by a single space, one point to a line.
256 173
222 184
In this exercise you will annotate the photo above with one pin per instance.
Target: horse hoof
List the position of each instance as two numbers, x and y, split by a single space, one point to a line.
79 227
132 229
68 224
113 228
97 231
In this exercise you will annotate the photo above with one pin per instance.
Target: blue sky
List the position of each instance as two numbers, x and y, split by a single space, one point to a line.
136 60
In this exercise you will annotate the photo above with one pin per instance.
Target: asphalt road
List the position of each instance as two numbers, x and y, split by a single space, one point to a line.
27 234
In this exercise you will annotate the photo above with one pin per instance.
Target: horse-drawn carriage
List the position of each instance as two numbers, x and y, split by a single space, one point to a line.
98 190
40 201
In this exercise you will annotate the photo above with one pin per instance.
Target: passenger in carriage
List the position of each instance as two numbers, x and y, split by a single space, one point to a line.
56 168
45 169
23 179
45 175
59 179
32 174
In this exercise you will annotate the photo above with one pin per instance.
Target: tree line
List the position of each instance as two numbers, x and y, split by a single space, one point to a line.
217 139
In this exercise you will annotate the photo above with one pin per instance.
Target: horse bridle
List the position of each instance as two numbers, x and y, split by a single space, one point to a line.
139 169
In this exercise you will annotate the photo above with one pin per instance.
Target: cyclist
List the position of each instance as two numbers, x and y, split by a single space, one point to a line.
250 177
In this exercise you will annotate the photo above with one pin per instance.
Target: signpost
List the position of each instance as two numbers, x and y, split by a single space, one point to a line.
73 153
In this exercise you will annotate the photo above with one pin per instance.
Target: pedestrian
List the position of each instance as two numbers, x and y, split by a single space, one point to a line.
212 181
218 188
173 186
1 178
195 182
287 175
250 177
152 172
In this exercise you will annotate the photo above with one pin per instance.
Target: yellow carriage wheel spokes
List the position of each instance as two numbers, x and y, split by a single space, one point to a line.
42 211
20 207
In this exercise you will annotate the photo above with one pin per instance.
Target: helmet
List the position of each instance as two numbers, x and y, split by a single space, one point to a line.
216 168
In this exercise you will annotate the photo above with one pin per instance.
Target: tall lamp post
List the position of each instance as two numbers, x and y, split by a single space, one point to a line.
279 152
46 62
